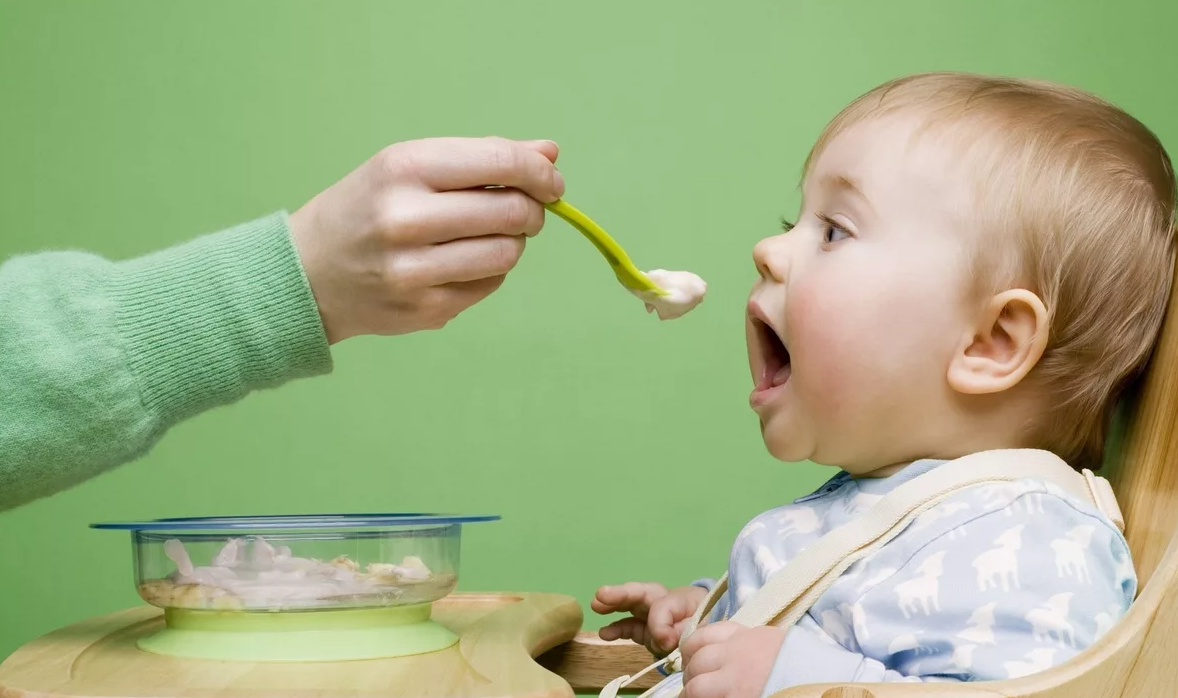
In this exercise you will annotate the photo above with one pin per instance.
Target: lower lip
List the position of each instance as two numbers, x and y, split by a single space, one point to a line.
763 396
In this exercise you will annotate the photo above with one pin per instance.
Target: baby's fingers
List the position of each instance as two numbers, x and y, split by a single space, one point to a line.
664 620
625 629
713 634
635 597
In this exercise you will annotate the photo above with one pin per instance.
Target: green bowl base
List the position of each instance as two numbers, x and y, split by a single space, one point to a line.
299 636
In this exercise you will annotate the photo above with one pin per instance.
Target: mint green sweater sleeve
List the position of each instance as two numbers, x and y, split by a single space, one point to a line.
98 359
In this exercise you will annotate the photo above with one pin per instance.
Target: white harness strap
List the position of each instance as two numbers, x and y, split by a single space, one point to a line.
793 589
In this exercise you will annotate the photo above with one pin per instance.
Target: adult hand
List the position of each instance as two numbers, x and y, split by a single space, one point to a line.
413 236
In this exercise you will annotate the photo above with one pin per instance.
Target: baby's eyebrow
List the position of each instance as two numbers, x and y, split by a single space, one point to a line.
847 184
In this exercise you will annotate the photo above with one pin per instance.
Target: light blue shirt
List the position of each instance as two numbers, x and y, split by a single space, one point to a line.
998 581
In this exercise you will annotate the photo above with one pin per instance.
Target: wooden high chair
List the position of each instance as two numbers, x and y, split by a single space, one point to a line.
1138 658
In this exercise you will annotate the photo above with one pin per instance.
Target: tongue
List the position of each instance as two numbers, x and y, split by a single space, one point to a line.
781 376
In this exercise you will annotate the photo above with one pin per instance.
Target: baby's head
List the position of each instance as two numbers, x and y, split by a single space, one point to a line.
978 263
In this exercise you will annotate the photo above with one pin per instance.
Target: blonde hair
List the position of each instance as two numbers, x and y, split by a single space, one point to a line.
1083 197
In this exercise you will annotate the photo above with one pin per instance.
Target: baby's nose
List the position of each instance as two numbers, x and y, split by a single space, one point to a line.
771 258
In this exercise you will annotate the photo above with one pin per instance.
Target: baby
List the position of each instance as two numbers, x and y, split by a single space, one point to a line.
978 264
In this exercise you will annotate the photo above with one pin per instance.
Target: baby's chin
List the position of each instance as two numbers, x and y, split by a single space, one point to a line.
786 447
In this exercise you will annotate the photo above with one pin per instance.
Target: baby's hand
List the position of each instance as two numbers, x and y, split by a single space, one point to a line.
658 615
729 660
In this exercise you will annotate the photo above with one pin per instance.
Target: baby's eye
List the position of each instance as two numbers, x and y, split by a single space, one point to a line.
832 232
786 225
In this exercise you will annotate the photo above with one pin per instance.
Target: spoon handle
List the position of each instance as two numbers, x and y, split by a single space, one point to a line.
628 274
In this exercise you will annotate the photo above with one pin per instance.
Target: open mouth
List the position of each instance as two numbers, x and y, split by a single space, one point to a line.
775 363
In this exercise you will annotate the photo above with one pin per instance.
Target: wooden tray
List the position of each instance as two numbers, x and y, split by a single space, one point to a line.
500 635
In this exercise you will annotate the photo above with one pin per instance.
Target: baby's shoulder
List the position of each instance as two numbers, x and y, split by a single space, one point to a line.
989 539
1042 506
1027 518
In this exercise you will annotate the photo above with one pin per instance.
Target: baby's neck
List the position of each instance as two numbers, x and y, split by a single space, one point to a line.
980 425
885 471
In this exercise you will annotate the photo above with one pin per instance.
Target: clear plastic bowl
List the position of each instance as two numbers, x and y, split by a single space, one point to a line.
296 563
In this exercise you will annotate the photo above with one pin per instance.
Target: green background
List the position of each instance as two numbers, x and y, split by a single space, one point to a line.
615 446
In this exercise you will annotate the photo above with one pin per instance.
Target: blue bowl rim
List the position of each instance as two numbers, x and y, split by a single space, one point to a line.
294 522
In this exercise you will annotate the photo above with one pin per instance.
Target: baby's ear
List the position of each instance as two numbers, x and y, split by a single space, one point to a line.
1001 349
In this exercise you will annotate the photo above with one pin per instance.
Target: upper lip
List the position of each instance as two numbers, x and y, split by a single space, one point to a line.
756 313
760 317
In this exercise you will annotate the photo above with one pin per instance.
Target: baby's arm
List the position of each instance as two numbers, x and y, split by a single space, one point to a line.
1001 591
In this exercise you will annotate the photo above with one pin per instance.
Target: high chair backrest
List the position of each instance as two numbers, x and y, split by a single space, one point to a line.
1143 468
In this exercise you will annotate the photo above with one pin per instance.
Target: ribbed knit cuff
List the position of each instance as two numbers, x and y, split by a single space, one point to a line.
208 321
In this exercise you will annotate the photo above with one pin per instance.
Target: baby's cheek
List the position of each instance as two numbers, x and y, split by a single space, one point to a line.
826 351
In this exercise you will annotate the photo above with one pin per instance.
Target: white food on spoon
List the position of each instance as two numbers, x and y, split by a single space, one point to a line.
684 291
